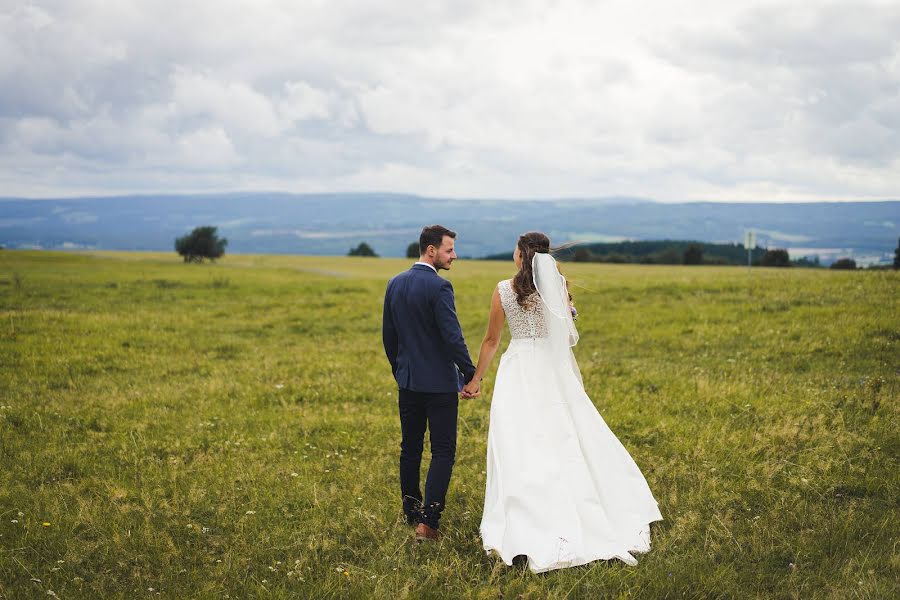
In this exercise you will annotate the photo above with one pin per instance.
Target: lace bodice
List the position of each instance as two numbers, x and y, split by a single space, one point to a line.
523 322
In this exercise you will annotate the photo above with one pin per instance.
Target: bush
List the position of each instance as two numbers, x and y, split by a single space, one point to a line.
582 255
668 256
693 255
807 262
412 251
844 263
614 257
363 249
897 255
201 243
777 257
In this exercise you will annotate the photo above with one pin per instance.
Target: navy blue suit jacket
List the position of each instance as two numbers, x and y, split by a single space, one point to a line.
421 333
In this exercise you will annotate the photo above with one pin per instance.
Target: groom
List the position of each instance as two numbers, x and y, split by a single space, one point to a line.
428 355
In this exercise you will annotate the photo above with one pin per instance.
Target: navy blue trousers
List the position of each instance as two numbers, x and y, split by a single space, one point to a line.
437 413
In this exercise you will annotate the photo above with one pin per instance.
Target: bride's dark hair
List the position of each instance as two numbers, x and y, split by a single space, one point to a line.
529 244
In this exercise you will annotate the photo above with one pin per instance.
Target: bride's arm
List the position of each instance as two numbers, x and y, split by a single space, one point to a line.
491 338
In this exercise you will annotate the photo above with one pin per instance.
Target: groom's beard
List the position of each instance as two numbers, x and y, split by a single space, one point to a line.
442 265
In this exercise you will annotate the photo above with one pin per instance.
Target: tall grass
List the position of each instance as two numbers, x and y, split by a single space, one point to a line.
231 431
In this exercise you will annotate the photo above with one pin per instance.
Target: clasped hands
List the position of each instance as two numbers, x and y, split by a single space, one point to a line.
471 389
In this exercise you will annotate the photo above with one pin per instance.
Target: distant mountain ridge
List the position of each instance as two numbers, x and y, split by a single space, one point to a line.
333 223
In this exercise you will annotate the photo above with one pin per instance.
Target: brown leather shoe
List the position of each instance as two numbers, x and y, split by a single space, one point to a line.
424 533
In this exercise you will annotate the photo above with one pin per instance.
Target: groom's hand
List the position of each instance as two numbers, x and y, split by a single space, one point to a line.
471 390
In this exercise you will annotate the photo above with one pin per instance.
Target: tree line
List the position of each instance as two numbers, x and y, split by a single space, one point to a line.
688 252
204 243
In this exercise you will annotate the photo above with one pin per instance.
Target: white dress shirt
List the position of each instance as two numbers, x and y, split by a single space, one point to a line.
427 265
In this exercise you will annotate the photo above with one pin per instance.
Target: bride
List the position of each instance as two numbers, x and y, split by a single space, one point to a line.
561 489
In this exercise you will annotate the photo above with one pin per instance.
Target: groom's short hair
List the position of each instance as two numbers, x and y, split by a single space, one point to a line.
433 235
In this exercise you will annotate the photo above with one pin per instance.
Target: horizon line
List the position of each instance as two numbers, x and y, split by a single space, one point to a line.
607 198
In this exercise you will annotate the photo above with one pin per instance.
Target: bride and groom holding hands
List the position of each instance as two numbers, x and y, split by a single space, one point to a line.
561 489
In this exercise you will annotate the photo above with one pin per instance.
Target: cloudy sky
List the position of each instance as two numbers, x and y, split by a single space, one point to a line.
701 100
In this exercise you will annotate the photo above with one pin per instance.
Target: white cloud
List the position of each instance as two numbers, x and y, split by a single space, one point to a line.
234 105
303 102
749 100
206 148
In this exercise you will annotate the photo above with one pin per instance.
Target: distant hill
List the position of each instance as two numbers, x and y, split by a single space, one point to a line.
333 223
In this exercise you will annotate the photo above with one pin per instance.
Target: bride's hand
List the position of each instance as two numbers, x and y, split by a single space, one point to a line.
471 389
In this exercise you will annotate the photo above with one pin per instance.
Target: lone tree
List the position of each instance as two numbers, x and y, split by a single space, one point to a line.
844 263
412 251
362 250
897 255
693 255
777 257
201 243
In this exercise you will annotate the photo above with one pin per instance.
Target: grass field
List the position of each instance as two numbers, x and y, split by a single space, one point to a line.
230 431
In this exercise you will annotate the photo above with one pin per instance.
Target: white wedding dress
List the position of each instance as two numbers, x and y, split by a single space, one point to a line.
561 489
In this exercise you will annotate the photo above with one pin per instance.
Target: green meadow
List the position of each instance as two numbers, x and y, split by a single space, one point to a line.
230 430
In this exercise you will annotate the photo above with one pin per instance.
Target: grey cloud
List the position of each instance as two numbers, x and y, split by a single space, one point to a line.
820 81
793 35
446 97
831 34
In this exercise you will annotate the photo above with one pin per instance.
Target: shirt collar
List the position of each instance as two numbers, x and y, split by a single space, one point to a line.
427 265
